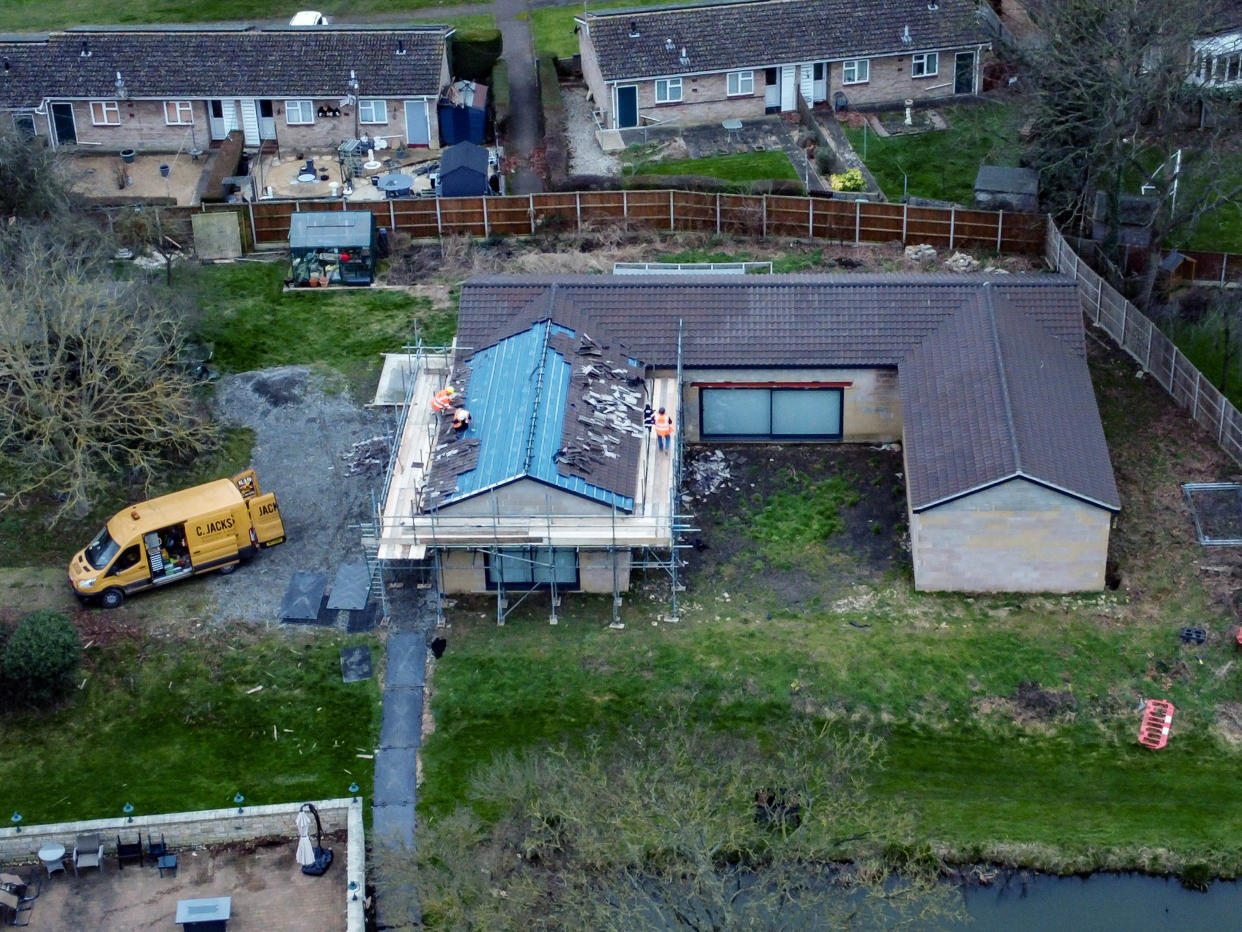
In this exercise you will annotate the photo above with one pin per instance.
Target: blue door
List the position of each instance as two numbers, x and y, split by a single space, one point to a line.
627 106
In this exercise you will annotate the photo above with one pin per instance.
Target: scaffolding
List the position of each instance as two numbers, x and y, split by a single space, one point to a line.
404 531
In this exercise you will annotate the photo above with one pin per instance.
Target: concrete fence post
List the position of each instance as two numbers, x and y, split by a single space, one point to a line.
439 220
672 226
717 214
952 225
857 222
530 212
1000 228
578 208
487 228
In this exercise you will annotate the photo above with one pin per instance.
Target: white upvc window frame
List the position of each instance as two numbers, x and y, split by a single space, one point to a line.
925 64
664 88
856 71
367 108
305 110
101 110
740 84
178 113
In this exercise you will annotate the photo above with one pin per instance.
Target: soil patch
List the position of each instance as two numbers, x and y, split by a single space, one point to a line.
768 535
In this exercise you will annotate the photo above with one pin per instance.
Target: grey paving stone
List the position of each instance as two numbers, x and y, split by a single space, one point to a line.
407 659
351 586
394 776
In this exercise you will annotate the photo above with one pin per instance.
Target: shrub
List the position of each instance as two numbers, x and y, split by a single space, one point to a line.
824 160
851 180
40 656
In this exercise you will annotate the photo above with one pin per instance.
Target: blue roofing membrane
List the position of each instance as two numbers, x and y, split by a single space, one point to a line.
517 398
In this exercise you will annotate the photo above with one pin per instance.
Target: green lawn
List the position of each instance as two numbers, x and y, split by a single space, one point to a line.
942 164
738 167
253 324
172 724
25 15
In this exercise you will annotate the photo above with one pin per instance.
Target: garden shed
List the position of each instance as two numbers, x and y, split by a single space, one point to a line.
332 248
462 112
463 171
998 187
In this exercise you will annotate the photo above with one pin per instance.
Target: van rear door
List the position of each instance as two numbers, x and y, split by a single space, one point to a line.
269 529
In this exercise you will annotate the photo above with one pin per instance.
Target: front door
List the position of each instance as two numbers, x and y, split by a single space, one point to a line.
62 120
417 129
267 122
627 106
772 90
821 82
789 88
964 73
223 119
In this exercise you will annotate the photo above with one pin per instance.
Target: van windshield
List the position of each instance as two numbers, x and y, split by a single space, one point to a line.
101 550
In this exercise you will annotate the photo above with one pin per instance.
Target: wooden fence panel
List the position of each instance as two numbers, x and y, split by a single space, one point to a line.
696 211
510 216
557 212
832 220
462 216
419 218
927 225
741 214
646 210
878 223
787 216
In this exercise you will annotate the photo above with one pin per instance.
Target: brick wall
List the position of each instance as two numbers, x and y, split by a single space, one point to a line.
206 827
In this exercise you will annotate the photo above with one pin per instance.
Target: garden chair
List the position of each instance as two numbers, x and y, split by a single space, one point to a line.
156 849
128 851
87 852
14 908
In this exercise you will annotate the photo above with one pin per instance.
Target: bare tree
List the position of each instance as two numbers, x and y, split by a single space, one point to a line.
91 384
1118 112
677 828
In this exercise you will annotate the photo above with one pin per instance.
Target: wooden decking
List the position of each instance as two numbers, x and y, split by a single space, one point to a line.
406 534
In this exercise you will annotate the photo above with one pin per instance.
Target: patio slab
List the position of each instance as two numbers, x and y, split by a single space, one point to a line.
105 175
269 893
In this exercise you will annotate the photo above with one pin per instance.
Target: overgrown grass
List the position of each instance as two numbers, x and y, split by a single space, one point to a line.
253 324
25 16
552 28
808 512
942 164
173 724
737 167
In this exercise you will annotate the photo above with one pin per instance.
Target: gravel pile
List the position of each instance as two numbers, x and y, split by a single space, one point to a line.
585 155
303 441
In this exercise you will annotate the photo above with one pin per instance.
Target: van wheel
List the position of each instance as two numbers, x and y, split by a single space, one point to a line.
112 598
227 568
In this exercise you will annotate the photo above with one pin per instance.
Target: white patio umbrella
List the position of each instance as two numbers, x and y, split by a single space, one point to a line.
306 851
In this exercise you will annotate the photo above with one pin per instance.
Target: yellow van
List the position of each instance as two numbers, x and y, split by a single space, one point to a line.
214 526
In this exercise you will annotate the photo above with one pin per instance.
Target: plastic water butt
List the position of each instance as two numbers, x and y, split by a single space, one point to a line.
127 155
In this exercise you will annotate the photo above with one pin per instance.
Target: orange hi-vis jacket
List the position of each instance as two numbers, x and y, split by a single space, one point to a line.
663 425
443 400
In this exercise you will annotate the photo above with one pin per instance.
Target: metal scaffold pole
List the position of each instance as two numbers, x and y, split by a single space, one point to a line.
547 504
675 487
616 589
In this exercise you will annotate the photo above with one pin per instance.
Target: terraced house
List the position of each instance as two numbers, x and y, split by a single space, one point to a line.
164 88
704 63
558 483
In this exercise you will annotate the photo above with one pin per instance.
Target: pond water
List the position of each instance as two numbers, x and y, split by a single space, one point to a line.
1133 902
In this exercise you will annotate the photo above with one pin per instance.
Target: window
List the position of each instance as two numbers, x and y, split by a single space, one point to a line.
741 82
299 112
857 71
532 568
105 113
177 112
372 111
771 413
25 123
668 90
925 64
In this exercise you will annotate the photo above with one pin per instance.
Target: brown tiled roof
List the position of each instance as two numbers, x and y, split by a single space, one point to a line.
757 320
221 61
765 33
991 396
992 370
